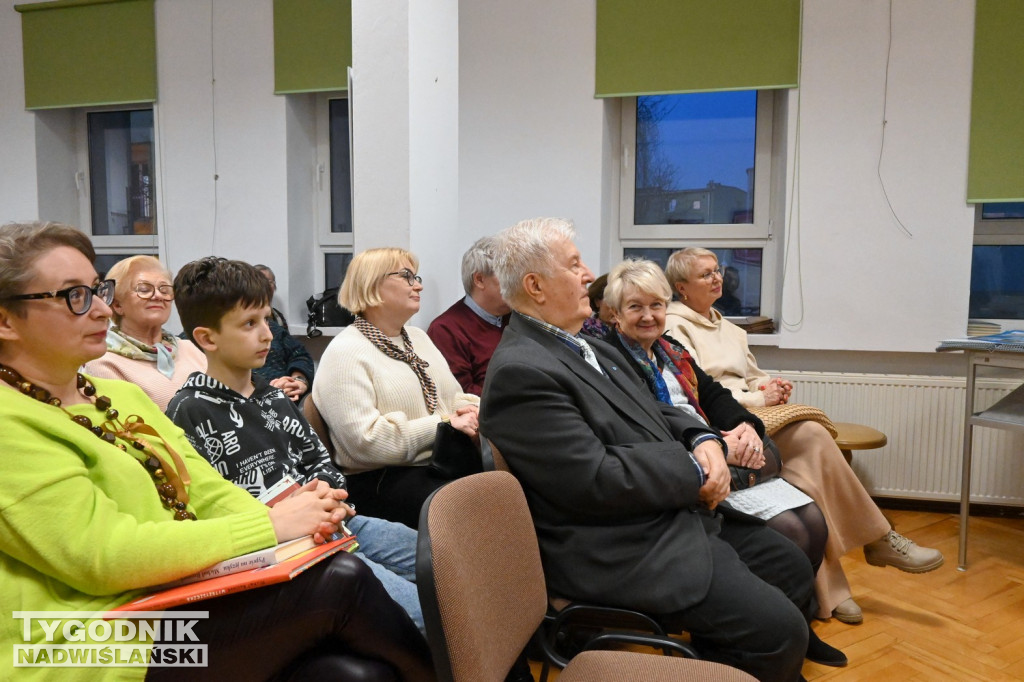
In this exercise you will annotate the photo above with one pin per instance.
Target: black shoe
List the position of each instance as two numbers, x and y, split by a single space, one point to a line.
819 652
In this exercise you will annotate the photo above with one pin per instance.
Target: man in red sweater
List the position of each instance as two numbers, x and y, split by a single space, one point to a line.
469 331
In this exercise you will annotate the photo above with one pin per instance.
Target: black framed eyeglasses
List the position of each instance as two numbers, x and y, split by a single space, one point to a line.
78 298
147 290
408 275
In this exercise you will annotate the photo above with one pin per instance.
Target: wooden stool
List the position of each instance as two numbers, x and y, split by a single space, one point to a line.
857 437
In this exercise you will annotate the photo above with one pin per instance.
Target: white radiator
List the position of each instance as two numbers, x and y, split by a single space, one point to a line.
923 418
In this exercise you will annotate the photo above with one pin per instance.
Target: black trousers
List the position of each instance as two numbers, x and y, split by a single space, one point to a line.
393 493
333 622
756 612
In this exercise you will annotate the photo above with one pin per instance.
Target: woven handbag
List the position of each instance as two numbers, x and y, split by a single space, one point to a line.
777 416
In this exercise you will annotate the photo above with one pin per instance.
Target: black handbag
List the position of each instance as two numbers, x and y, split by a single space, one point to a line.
743 477
324 311
455 454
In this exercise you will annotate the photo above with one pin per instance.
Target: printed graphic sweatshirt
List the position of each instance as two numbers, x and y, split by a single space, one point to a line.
254 441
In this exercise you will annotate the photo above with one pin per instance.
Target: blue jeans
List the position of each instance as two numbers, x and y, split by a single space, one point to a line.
389 549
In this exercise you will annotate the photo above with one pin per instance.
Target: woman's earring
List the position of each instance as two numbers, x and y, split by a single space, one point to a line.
685 297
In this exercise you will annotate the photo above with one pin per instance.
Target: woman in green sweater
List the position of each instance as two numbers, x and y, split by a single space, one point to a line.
102 497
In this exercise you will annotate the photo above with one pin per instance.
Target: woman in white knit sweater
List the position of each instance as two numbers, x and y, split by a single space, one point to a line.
382 389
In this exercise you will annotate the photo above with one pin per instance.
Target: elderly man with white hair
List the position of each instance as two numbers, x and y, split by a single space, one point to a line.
623 489
469 331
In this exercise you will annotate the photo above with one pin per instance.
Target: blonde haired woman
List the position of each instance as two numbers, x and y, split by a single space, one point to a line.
383 387
811 459
139 350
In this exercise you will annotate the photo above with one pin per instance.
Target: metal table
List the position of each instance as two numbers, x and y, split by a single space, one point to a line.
1007 413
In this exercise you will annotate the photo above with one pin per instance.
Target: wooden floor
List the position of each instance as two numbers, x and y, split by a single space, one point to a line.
943 625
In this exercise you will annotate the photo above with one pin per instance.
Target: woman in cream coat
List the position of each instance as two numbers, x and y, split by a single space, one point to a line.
811 459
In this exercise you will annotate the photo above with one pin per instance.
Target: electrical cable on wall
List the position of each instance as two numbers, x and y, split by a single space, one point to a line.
881 147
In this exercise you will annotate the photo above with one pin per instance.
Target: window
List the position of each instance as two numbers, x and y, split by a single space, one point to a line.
997 264
334 187
116 180
741 276
697 171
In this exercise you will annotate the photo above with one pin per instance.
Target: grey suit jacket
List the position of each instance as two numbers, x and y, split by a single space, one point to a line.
612 489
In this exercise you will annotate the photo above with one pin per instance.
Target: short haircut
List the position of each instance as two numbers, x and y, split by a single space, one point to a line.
479 258
680 264
207 289
124 271
526 247
366 272
21 245
643 275
596 292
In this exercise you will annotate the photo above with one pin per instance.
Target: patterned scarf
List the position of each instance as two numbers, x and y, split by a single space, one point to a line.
408 356
678 362
163 353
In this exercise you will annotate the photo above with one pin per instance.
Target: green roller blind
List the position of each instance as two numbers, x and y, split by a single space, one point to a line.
647 47
312 45
88 52
996 162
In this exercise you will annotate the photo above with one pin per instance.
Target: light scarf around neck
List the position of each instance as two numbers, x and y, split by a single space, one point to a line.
163 353
407 355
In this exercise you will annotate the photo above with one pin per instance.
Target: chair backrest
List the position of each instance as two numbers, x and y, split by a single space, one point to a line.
479 576
309 409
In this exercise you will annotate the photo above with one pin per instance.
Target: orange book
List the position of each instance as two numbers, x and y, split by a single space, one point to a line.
237 582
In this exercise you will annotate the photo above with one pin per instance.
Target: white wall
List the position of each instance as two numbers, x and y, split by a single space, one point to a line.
530 131
862 283
18 193
434 150
221 139
469 116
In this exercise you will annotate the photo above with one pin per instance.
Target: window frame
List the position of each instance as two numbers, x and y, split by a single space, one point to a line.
759 229
996 232
328 242
135 244
769 201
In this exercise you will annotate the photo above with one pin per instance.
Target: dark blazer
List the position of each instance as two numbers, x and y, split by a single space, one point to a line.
716 401
612 489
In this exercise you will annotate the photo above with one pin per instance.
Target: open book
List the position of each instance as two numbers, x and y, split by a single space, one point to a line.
281 572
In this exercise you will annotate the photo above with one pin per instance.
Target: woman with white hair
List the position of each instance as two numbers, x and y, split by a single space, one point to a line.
638 294
139 350
811 459
382 388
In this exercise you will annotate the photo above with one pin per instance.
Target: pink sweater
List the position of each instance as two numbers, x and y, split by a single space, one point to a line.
146 376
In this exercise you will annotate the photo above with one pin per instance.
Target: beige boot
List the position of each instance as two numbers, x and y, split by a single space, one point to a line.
902 553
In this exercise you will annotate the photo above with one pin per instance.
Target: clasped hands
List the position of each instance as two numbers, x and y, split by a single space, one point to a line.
717 479
777 391
315 509
292 387
467 420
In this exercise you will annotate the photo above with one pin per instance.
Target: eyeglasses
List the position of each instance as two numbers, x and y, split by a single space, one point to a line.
708 275
78 298
146 290
408 275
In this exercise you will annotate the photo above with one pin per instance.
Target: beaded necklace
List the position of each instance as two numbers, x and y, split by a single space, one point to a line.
169 485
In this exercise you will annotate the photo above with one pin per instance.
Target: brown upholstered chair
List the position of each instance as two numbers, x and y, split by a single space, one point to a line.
569 623
482 590
309 409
